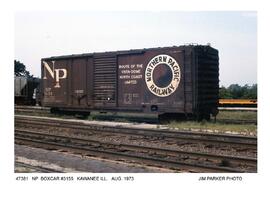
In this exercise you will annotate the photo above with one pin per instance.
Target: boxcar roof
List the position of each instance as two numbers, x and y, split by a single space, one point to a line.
132 51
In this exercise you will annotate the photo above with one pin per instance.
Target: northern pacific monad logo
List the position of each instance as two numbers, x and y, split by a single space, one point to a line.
162 75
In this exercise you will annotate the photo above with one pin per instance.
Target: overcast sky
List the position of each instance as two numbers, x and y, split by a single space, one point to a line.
234 34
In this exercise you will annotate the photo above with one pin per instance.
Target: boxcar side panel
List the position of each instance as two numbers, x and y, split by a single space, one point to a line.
153 81
130 81
90 82
78 90
180 79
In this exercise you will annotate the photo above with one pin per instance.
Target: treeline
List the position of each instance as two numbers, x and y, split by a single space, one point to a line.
20 69
235 91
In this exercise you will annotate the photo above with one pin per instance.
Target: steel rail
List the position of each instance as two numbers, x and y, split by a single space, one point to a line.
142 159
128 155
160 134
166 151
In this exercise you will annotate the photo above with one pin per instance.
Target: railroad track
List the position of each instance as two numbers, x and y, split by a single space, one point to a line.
159 134
157 156
31 109
164 157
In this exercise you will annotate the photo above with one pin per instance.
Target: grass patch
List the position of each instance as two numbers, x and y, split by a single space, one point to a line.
248 129
237 115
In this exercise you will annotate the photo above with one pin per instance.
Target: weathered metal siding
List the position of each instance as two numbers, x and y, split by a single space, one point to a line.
207 80
188 79
130 81
78 83
105 80
90 82
173 79
55 93
25 90
132 87
20 86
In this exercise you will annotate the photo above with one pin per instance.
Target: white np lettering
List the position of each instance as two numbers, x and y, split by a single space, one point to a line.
55 76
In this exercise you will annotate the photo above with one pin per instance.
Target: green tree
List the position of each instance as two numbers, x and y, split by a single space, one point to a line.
224 93
20 69
235 91
250 92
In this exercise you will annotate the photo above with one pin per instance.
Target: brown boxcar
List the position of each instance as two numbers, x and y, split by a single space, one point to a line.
180 80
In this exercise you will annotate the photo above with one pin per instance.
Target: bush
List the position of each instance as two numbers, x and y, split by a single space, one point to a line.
235 91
